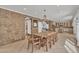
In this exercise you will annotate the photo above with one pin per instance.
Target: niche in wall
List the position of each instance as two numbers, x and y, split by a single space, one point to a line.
35 23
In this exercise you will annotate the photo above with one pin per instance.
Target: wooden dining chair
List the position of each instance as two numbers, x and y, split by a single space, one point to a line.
35 42
29 40
44 42
49 41
56 38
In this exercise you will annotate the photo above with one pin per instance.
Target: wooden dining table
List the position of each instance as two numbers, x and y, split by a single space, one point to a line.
44 39
45 34
48 35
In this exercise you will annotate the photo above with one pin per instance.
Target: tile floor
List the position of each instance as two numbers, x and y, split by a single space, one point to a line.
21 46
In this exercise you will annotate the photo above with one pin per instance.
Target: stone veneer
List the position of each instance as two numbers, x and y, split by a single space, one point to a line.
11 26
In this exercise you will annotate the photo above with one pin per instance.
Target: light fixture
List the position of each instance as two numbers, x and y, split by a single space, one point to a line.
24 9
44 16
58 5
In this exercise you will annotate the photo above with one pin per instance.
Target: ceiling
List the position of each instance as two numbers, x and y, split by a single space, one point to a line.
53 12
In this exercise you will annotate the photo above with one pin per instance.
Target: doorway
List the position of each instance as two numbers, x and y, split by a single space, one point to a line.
27 25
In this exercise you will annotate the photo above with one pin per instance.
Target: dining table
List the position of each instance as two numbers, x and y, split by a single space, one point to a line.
42 39
45 34
49 35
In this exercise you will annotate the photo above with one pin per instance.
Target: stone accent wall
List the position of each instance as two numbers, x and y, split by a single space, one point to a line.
11 26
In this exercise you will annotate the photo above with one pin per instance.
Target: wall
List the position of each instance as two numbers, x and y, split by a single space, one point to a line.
76 27
75 20
42 26
29 26
39 26
11 26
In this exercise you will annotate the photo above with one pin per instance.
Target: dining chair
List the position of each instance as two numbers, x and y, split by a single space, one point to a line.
44 42
49 41
29 40
56 37
35 42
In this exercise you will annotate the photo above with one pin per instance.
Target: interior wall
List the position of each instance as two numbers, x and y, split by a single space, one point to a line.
12 26
42 26
76 27
29 26
39 26
76 18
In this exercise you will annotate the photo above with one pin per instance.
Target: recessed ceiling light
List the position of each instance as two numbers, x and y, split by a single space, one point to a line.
58 5
24 9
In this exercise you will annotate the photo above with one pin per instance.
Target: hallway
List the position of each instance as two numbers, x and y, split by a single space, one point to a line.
21 46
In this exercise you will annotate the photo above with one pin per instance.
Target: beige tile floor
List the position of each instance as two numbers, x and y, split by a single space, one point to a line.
21 46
